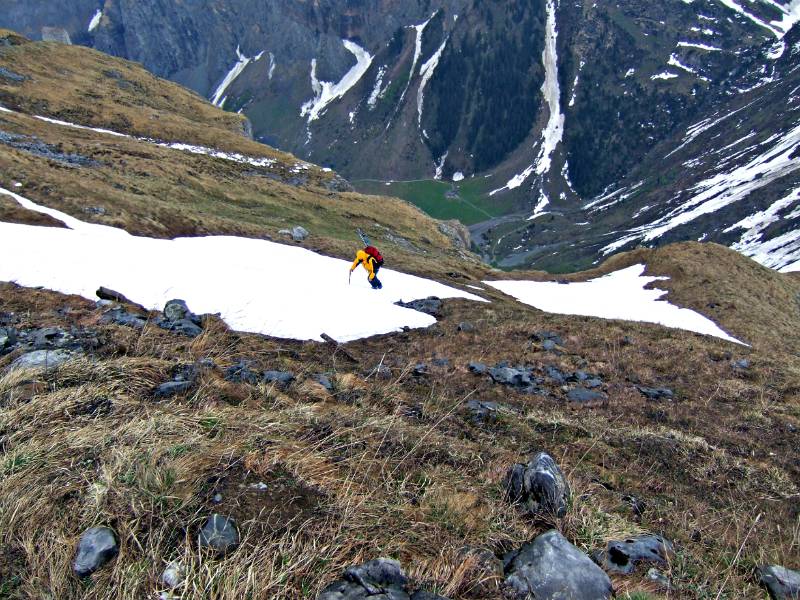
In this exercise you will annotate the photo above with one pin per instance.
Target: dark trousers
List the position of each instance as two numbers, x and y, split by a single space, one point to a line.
375 282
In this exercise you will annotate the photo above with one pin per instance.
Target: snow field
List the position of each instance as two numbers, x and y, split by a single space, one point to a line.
619 295
255 285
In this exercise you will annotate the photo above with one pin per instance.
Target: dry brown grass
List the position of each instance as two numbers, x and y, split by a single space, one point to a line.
385 467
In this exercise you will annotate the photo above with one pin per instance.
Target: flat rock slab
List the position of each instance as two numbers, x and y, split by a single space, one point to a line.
550 568
96 547
656 393
43 359
781 583
430 306
539 487
586 397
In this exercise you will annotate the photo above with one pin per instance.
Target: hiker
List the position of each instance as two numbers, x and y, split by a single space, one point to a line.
372 261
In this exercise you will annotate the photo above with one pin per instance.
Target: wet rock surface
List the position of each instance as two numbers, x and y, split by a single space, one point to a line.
539 487
552 568
96 547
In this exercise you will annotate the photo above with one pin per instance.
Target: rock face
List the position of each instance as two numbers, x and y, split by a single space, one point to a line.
381 579
550 568
622 556
219 534
539 487
96 547
781 583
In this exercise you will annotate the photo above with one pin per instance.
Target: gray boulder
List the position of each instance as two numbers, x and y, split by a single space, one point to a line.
430 306
281 378
172 388
96 547
175 310
380 579
299 233
43 359
482 411
8 338
422 595
466 327
622 556
478 368
781 583
540 487
241 373
50 337
219 534
550 568
656 393
120 316
586 397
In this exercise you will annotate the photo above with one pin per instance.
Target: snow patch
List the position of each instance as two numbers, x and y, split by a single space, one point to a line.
218 97
326 92
699 46
665 75
376 91
619 295
95 20
458 176
426 72
256 285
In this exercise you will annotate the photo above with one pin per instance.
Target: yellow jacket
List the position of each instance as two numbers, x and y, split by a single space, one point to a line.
365 260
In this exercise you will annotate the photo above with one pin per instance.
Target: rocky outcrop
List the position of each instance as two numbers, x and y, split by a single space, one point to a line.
379 579
623 556
781 583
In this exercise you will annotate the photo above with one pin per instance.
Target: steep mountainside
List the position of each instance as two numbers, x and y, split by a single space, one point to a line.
732 176
555 99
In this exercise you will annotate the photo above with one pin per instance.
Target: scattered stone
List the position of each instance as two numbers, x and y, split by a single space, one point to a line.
174 574
656 393
586 397
43 359
539 487
441 362
781 583
549 345
259 487
544 336
382 372
422 595
483 412
50 337
217 498
120 316
742 364
324 381
98 211
36 147
56 34
638 506
430 306
622 556
659 579
11 76
177 317
556 375
8 339
420 370
97 546
105 293
550 567
175 310
172 388
281 378
299 233
593 383
466 327
382 578
241 373
478 368
219 534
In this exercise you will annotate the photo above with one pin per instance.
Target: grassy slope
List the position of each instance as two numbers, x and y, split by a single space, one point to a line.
383 467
